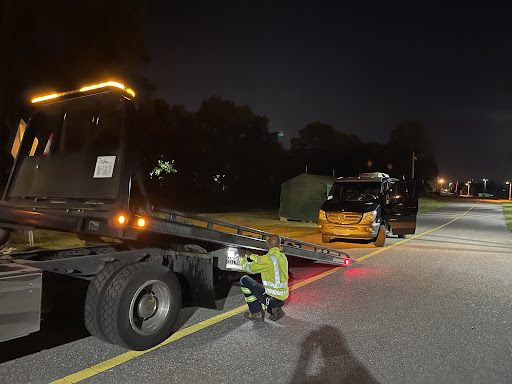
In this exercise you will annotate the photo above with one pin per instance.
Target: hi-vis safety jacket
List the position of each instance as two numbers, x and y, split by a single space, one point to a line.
274 271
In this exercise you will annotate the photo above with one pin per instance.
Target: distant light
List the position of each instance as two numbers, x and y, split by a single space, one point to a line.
280 134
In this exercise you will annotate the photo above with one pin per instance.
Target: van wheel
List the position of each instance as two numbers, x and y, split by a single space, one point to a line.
401 236
141 305
326 239
380 240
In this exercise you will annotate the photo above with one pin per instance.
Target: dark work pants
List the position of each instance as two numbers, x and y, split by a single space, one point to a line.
256 298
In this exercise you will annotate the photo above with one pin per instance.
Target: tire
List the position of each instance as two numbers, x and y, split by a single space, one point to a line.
141 305
401 236
94 299
380 240
326 239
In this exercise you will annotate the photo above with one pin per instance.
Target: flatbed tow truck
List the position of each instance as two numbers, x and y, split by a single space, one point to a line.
75 171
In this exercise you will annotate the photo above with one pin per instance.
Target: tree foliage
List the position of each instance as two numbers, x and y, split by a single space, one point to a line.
223 154
323 148
409 137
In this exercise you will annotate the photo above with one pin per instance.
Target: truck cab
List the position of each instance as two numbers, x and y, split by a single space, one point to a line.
367 208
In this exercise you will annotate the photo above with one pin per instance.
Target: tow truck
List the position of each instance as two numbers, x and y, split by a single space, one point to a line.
75 170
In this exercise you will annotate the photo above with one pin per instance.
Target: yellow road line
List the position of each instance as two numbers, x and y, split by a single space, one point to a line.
123 358
413 237
111 363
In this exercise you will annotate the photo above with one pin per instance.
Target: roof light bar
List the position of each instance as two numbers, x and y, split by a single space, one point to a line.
87 88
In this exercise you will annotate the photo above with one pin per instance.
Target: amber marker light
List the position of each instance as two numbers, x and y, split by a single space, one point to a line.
86 88
141 222
121 219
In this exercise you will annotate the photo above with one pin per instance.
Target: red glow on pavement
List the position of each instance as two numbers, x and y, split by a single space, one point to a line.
355 271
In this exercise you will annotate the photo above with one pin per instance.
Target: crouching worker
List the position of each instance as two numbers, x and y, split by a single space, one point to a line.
273 267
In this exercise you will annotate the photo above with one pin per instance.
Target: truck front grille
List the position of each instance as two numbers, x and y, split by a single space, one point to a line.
343 217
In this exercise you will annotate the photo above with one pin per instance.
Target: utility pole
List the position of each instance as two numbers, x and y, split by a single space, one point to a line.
413 158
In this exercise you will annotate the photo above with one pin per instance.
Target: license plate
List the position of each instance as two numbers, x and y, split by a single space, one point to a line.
342 231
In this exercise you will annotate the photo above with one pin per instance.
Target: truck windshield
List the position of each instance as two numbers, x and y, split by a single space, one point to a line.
72 150
355 191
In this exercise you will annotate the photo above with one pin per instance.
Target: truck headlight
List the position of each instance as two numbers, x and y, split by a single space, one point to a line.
321 215
368 217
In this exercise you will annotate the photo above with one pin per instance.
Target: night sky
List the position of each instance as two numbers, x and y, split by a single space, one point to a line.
363 69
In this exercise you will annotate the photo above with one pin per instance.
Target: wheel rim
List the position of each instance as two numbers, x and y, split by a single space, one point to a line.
149 307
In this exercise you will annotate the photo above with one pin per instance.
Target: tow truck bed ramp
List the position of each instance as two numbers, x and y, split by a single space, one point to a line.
231 235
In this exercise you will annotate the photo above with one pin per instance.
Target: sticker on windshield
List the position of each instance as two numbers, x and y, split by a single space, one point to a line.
104 167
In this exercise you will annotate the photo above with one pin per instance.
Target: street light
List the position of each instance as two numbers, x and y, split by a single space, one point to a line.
468 184
485 184
509 189
441 181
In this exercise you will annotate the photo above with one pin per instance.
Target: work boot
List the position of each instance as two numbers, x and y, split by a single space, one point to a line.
259 316
277 313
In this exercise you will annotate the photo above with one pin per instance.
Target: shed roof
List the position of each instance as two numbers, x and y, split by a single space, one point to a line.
320 178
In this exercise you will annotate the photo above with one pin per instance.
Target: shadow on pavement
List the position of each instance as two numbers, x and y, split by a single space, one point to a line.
325 358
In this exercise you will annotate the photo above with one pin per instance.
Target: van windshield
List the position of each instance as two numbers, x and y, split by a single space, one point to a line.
355 191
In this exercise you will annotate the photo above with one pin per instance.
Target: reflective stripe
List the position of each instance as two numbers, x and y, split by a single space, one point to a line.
245 290
247 269
276 269
275 285
250 299
274 292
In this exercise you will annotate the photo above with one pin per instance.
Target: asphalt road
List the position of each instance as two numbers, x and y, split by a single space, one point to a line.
435 308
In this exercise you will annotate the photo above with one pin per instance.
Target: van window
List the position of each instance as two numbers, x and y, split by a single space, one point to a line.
355 191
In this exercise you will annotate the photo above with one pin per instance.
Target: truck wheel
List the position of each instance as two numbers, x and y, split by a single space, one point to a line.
141 305
5 235
380 240
401 236
326 239
94 299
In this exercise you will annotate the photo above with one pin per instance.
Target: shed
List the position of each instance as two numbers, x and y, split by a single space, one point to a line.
301 197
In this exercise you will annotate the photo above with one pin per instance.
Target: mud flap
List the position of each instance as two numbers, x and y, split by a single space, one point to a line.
198 272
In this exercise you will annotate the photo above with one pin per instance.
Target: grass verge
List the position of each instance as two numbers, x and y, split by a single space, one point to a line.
507 211
425 204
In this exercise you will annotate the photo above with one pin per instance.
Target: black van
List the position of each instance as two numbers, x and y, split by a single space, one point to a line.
367 208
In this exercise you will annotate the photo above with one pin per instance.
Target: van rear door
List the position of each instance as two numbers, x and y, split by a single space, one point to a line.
401 211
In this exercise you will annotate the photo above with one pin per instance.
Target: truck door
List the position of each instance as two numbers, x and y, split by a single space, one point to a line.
400 213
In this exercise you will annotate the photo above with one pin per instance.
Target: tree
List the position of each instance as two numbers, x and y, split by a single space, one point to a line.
222 154
323 148
408 137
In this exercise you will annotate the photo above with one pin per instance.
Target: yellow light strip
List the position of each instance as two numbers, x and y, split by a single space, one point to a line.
87 88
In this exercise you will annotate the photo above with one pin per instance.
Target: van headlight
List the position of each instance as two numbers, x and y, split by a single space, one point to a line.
321 215
368 217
